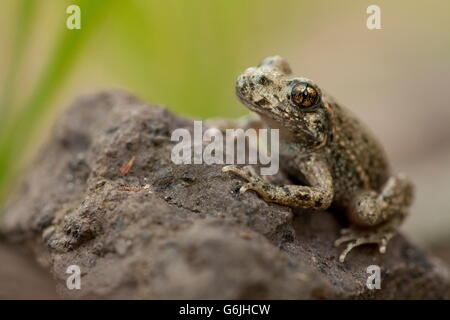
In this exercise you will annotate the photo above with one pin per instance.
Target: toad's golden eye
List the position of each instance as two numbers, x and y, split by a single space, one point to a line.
304 95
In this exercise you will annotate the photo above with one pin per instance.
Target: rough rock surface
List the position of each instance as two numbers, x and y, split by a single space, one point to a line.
162 230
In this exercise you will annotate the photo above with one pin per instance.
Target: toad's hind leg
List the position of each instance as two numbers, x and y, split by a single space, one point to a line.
376 216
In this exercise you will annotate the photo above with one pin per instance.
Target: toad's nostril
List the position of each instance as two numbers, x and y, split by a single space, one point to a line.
263 80
242 80
242 85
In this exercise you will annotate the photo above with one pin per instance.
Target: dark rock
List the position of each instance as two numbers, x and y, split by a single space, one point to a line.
161 230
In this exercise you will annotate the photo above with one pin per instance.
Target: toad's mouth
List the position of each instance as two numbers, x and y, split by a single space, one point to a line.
260 106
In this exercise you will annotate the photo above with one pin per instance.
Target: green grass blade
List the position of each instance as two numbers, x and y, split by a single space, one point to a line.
24 125
24 20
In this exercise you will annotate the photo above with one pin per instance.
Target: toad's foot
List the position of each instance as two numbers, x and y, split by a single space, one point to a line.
356 237
255 182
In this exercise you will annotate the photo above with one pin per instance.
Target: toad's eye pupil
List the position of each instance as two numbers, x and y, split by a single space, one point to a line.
304 95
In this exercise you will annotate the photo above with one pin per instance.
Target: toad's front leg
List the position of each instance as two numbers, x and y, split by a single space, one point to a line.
317 196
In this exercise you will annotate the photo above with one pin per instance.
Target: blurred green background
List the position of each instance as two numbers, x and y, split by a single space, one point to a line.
186 55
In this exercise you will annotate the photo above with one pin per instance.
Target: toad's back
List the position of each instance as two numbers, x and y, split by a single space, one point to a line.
356 159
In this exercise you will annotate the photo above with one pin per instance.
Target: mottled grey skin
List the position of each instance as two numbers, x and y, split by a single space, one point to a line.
326 147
